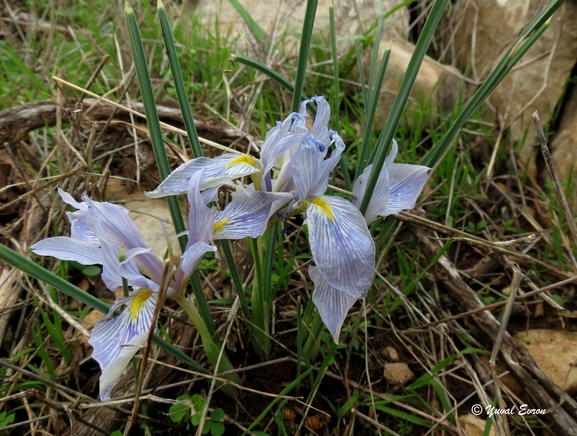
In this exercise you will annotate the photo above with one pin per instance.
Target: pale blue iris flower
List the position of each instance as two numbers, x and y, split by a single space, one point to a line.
341 245
104 234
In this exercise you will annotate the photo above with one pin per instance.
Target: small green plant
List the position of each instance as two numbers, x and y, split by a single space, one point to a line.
190 409
6 419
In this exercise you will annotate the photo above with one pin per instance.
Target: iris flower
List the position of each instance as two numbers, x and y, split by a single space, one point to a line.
341 245
103 233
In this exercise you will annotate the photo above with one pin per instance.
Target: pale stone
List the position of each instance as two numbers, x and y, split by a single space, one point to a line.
485 29
390 354
398 373
280 18
554 352
475 426
436 83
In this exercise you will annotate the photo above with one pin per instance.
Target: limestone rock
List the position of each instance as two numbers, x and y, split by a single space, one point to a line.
398 373
554 351
281 17
436 83
474 426
484 29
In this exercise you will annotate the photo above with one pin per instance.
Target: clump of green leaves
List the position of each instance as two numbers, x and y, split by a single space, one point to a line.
190 410
6 419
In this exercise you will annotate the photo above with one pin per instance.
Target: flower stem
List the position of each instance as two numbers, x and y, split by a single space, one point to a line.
211 347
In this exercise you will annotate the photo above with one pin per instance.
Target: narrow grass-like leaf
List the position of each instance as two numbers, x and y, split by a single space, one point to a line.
337 96
521 45
252 25
371 110
32 269
269 251
385 138
151 113
261 321
226 248
178 81
265 70
304 50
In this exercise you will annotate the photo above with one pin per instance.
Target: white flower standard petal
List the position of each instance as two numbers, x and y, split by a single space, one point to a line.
116 340
320 129
332 304
342 246
117 226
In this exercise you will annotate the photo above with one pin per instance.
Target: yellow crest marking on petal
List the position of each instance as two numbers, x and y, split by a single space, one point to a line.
324 206
219 225
244 159
138 301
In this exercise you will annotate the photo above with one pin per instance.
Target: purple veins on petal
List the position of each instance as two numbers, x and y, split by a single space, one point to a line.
332 304
215 172
397 188
117 340
248 213
406 184
310 168
342 247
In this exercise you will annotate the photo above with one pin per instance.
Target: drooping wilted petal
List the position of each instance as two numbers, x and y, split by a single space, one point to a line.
341 244
248 213
215 172
332 304
64 248
116 340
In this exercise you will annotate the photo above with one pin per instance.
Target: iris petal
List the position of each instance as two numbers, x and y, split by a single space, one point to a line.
406 183
248 213
278 140
320 129
64 248
191 258
380 197
200 217
332 304
397 188
215 172
310 168
341 244
116 340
